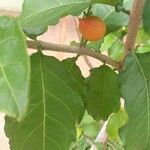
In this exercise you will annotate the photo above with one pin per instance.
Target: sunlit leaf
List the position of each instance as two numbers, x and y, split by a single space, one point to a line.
36 15
115 122
14 69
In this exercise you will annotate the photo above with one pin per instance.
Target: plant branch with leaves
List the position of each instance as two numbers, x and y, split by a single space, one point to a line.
49 104
74 49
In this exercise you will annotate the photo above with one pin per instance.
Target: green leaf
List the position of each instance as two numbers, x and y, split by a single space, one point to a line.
113 45
127 4
113 20
135 89
146 20
142 36
89 126
115 122
109 40
34 32
53 111
117 144
70 64
109 2
14 69
48 12
116 50
80 144
96 45
103 93
100 146
143 49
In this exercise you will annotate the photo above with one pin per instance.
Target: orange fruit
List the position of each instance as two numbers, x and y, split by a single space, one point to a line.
92 28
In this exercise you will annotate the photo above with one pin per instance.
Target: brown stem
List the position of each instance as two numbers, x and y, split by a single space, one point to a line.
134 23
74 49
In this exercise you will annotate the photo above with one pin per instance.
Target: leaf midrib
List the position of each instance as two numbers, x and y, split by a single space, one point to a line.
44 108
43 98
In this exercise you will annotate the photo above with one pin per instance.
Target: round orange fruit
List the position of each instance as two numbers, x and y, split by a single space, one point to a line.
92 28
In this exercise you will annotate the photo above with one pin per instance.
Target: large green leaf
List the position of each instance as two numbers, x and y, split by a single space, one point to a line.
112 19
37 13
146 20
135 89
54 109
14 69
70 64
103 92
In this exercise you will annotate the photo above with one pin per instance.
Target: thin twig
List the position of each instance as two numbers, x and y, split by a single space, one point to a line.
75 49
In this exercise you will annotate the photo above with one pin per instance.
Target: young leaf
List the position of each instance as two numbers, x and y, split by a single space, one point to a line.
48 12
54 109
103 93
14 69
70 64
89 126
114 46
135 89
115 122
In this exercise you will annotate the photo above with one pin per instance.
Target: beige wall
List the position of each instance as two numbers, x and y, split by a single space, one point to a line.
11 5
